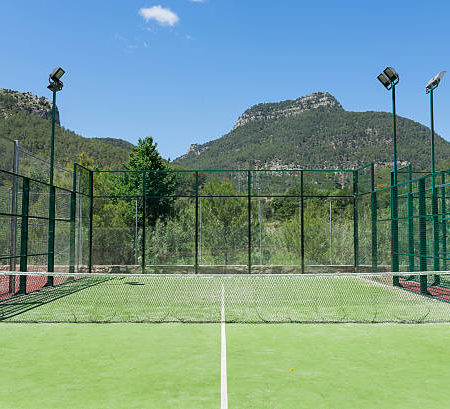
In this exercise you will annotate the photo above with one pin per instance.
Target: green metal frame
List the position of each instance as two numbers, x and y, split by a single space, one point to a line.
423 236
24 234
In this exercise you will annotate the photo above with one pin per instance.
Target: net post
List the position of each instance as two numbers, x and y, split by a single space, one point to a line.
423 236
444 224
73 208
51 236
144 216
24 235
374 214
249 214
196 222
410 221
355 221
436 245
91 215
302 224
394 231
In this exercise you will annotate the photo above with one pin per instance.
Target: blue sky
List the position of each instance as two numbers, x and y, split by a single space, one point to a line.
183 71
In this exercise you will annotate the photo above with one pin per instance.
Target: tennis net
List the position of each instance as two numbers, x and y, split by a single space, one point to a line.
251 298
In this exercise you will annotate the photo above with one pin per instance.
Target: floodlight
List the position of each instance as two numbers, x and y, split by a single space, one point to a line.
391 74
434 82
56 74
384 80
58 84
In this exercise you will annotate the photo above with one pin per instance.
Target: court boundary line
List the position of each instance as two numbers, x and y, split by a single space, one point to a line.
223 357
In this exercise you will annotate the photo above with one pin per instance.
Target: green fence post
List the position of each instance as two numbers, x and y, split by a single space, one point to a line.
444 225
249 214
394 230
410 221
73 208
91 216
302 223
24 235
374 214
51 236
436 245
355 221
144 217
196 222
423 236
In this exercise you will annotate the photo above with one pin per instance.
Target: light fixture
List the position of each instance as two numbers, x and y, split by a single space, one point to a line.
434 82
391 74
58 84
56 74
385 81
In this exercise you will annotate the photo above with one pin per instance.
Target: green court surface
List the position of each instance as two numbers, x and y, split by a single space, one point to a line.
178 366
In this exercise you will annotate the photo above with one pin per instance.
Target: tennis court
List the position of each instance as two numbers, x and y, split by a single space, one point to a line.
176 341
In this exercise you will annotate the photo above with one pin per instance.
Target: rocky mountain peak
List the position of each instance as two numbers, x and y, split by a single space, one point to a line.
12 102
273 111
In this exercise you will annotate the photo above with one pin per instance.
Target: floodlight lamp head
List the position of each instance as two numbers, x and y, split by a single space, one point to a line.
57 84
56 74
392 75
434 82
385 81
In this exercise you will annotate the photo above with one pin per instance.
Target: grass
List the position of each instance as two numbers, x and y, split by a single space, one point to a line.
115 366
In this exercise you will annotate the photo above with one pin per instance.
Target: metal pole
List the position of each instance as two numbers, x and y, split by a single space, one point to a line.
331 236
79 246
144 216
136 234
52 137
24 235
423 236
444 224
260 220
394 134
249 221
51 235
196 223
201 231
434 199
12 263
91 216
302 224
355 221
432 133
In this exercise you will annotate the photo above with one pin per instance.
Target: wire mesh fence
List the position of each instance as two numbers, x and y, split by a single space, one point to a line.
256 298
233 221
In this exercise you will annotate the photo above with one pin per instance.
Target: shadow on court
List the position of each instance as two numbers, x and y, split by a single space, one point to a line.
21 303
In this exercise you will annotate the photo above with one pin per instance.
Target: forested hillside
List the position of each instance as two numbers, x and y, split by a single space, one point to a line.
323 135
27 118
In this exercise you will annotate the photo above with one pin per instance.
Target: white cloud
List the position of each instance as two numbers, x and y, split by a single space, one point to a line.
164 17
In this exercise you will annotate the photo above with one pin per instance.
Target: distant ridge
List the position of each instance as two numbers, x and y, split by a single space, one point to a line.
314 131
26 117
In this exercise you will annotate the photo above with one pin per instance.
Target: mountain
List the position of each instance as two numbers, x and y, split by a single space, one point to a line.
314 132
25 117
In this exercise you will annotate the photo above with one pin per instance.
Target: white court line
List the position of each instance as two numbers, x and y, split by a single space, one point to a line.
223 358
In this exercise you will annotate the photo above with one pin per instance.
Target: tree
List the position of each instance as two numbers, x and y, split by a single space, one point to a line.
160 183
